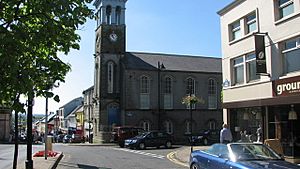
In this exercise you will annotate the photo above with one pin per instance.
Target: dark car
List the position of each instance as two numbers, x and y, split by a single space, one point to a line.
150 139
206 137
67 138
121 133
238 155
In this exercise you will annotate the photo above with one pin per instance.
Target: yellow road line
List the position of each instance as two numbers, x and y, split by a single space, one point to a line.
171 155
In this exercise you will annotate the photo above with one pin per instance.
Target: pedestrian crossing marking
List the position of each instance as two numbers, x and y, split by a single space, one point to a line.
141 153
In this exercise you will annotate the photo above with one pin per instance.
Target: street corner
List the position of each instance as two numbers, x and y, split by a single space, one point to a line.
173 157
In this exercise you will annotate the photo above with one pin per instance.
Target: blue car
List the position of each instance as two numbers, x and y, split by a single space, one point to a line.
238 156
150 139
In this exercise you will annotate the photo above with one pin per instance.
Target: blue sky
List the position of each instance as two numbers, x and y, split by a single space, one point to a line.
189 27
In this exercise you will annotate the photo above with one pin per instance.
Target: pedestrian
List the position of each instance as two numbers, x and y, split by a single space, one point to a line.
225 135
259 133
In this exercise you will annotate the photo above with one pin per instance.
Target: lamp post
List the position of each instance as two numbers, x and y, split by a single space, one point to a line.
191 115
160 68
29 162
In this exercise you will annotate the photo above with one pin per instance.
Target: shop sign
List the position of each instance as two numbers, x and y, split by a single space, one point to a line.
287 87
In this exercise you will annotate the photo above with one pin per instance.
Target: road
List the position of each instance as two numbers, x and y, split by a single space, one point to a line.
113 157
7 154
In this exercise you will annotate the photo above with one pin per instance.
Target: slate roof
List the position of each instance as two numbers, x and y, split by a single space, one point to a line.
172 62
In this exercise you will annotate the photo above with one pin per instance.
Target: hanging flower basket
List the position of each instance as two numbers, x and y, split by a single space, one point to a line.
187 100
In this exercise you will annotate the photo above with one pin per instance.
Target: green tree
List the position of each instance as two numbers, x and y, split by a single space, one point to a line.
32 33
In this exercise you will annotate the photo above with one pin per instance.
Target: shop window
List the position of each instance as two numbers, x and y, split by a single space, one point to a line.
291 55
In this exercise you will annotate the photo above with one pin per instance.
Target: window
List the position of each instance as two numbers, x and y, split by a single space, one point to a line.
212 94
145 125
190 90
291 55
144 92
251 67
235 30
251 23
169 127
168 99
108 15
285 7
238 70
118 15
110 77
212 125
188 127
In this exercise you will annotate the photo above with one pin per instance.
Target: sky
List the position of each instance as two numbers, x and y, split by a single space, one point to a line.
190 27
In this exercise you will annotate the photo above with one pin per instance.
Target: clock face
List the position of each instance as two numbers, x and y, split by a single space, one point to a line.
261 55
113 37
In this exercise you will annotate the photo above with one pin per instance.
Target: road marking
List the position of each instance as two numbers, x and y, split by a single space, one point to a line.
141 153
171 157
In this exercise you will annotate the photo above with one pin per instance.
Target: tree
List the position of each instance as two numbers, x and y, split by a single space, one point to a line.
32 32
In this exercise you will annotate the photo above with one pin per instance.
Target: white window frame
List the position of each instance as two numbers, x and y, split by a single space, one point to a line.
169 127
190 83
212 94
291 49
251 22
283 6
248 72
235 66
110 77
235 30
146 125
144 92
168 93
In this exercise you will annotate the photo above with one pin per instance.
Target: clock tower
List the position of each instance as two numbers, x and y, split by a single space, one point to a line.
109 50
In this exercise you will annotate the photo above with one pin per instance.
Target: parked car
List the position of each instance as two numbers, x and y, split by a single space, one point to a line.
150 139
121 133
77 138
207 137
67 138
238 155
60 138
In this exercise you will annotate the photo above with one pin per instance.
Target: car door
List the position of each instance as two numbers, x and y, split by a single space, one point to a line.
150 140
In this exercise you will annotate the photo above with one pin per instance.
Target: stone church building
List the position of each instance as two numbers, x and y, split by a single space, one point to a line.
146 89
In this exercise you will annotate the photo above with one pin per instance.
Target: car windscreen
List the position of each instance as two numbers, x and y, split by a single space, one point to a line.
253 152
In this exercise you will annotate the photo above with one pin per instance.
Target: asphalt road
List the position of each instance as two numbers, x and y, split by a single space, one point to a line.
7 154
113 157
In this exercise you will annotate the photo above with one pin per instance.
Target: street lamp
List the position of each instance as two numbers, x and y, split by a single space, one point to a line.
160 68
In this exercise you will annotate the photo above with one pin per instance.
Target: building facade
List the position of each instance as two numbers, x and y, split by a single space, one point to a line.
261 69
5 124
146 89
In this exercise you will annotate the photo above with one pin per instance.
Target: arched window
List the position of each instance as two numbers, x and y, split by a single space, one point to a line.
188 127
118 15
145 125
169 126
144 92
212 125
190 86
190 90
212 94
108 15
110 77
168 96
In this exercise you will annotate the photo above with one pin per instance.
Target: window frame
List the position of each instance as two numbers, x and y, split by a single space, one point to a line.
251 22
248 71
168 93
234 30
144 92
286 50
235 66
283 6
169 126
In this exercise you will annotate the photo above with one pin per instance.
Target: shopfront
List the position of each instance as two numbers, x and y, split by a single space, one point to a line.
277 116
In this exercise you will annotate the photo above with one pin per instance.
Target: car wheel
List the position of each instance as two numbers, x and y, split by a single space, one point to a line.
168 144
121 144
205 141
194 166
142 146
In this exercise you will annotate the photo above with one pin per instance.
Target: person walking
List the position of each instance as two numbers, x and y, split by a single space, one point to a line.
225 135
